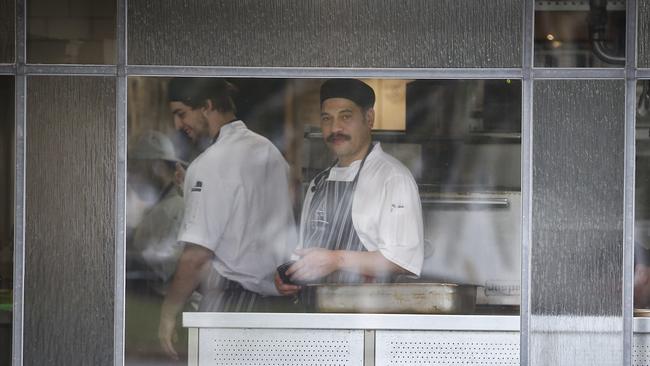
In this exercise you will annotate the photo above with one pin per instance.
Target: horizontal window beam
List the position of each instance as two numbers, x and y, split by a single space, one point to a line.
290 72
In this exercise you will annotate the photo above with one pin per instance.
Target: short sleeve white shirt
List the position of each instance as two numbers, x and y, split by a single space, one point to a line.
237 204
386 212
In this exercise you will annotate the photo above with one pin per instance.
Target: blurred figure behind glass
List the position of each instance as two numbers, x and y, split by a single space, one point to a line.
151 170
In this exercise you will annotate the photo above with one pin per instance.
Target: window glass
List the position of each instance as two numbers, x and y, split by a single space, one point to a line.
643 33
71 32
268 176
7 36
642 202
443 33
70 211
7 173
577 222
580 33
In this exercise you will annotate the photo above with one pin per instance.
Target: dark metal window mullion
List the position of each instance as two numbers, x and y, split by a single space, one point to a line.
120 184
20 85
629 180
528 34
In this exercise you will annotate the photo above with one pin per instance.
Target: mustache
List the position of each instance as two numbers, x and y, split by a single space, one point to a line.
334 136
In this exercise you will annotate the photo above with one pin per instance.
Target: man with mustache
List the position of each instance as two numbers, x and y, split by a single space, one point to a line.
361 219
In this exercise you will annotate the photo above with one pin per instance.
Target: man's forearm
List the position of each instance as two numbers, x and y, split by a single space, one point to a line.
367 263
190 270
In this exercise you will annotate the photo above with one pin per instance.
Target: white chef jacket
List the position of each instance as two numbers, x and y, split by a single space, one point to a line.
237 205
386 211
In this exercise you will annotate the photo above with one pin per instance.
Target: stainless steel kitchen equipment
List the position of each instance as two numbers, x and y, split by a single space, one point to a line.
421 298
474 239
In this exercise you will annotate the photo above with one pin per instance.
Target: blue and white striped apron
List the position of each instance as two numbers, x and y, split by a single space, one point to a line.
329 226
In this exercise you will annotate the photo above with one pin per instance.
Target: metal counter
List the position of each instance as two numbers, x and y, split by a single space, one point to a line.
351 321
369 339
350 339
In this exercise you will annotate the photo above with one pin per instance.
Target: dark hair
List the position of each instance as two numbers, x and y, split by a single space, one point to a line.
194 92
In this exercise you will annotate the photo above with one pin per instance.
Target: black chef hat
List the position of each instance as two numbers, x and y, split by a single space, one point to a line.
352 89
195 91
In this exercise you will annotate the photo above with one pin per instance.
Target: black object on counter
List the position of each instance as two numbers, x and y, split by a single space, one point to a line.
282 272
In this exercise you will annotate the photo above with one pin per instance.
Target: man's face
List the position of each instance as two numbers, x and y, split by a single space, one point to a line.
346 128
191 121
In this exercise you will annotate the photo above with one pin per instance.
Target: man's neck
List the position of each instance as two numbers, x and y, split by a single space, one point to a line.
359 155
221 120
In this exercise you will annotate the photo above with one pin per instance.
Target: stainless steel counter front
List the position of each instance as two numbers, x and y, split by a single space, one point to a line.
351 321
365 321
350 339
641 325
373 339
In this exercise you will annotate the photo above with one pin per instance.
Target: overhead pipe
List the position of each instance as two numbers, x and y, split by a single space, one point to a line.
598 31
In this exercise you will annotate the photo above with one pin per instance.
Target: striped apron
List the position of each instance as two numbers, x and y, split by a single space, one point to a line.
224 295
329 226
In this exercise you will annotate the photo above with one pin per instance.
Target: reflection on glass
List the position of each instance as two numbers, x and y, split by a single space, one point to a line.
70 220
580 33
345 186
71 31
7 36
643 32
389 34
642 201
6 217
577 215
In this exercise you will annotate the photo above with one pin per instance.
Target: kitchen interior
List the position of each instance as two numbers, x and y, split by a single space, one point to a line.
461 139
642 191
585 33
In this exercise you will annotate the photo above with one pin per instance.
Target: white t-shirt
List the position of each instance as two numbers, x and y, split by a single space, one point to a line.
386 212
237 205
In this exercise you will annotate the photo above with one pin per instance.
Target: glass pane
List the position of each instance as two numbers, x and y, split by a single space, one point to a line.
643 32
7 175
580 33
7 35
367 33
642 200
454 146
71 31
70 221
577 223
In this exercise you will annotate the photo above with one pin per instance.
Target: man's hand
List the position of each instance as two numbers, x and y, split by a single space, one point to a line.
167 335
285 289
315 263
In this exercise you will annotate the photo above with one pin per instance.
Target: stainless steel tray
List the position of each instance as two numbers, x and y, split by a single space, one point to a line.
421 298
642 312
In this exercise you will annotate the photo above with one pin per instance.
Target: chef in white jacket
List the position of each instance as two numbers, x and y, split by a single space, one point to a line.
238 218
361 219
